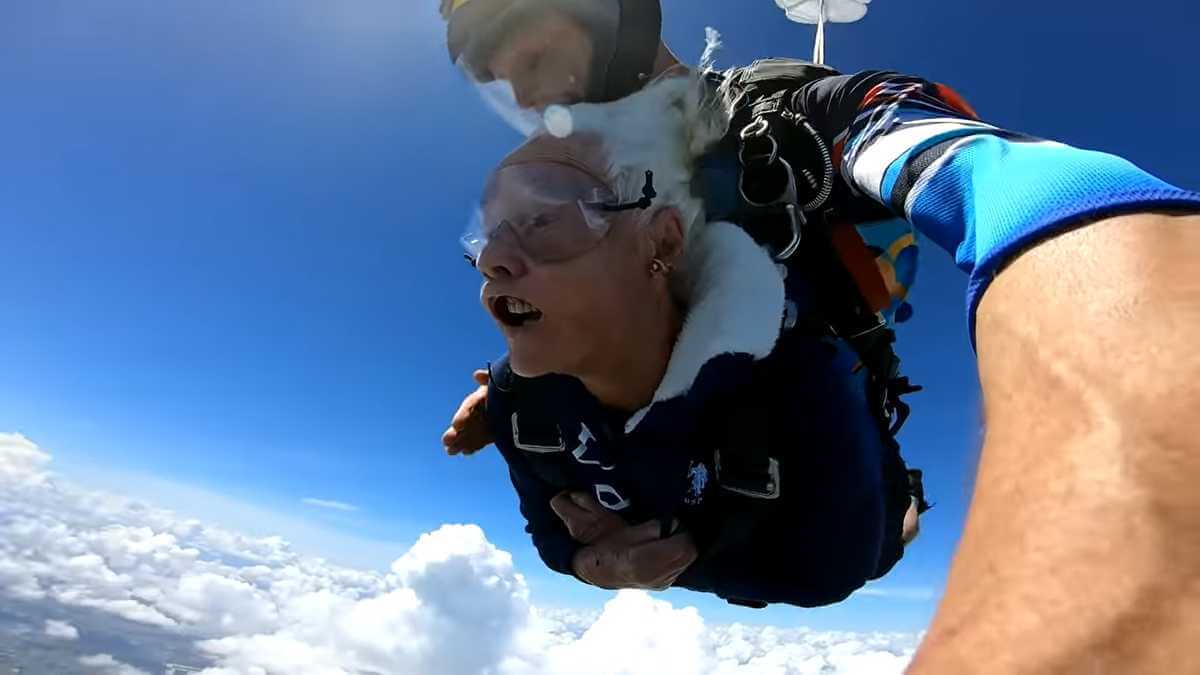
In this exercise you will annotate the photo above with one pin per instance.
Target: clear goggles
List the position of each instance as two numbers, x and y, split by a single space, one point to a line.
487 34
550 212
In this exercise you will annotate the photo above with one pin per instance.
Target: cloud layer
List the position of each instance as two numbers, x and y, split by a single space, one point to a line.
329 504
61 630
453 604
105 664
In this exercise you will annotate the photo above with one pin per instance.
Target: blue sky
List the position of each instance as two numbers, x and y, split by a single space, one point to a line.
231 276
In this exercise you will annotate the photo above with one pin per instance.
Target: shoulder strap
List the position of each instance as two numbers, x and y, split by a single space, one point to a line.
767 76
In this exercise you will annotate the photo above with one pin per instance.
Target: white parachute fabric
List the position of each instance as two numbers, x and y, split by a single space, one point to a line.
820 12
836 11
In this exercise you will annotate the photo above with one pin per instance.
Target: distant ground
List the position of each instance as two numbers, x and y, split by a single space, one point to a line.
24 643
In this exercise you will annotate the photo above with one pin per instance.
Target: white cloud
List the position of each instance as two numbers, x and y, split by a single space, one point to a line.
906 593
452 604
329 504
251 522
23 460
105 664
637 634
61 630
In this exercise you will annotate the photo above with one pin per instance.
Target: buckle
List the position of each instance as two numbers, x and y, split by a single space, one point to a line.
758 487
894 407
756 134
757 127
782 204
880 324
796 220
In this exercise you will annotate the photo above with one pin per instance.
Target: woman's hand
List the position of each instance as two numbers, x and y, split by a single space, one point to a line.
636 557
586 519
468 432
618 555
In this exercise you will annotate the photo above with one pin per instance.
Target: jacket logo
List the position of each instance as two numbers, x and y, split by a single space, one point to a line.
697 481
585 445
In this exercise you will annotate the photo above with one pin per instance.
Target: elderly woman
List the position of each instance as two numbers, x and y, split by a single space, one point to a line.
665 418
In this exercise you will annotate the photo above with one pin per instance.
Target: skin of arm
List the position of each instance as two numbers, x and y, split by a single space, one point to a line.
1081 552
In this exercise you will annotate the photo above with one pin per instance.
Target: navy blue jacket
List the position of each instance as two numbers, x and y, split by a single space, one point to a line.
767 382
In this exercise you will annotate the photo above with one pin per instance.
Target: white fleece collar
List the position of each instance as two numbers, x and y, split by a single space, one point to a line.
735 306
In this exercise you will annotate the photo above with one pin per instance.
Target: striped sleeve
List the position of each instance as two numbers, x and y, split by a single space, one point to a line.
982 193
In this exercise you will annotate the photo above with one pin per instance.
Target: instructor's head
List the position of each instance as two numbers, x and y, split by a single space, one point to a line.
558 51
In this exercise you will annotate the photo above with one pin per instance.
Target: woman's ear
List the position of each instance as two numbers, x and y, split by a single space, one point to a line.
668 235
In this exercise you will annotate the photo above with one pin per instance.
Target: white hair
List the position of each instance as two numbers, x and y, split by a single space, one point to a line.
664 128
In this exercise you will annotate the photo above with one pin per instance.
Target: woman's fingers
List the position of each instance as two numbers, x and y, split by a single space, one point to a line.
449 440
664 556
584 526
653 564
589 522
469 409
567 510
598 567
587 502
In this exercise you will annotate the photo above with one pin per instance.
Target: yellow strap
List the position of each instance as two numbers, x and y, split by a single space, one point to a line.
458 3
900 244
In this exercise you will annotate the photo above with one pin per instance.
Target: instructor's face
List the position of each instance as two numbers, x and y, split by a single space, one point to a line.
547 62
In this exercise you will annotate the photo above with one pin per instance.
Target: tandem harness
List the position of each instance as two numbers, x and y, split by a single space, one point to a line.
785 179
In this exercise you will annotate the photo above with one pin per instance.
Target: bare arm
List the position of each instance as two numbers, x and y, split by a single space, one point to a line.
1081 552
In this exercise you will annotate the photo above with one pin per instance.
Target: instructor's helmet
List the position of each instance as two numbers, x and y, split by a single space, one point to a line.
625 37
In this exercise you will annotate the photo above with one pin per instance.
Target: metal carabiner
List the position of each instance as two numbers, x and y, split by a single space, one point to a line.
756 128
797 221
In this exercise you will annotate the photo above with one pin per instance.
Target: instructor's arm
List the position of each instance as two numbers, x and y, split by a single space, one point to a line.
1081 552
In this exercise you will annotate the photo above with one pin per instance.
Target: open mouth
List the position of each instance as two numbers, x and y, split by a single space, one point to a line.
515 312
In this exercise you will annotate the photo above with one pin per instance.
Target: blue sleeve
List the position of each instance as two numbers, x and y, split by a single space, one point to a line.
994 198
980 192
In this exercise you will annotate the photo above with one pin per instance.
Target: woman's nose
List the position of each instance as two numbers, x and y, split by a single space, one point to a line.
501 258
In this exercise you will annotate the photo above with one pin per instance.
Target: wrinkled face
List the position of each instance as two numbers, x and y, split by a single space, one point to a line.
560 315
548 61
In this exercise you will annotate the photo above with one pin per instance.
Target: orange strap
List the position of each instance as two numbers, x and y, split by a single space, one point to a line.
860 262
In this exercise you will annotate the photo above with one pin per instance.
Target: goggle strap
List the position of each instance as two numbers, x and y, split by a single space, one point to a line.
648 195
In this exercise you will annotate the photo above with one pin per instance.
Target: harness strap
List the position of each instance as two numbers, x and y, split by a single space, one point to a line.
786 177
